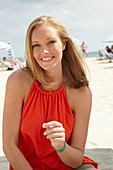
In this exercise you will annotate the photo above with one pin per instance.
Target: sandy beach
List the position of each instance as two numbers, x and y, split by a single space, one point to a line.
100 133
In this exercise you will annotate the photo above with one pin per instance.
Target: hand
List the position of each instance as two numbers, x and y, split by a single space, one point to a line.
56 133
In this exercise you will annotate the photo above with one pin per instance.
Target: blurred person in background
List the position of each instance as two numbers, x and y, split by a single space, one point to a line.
84 47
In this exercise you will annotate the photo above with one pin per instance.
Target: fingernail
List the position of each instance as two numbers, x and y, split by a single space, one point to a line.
43 125
44 133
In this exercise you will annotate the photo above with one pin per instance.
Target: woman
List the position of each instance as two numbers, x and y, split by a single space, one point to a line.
83 46
14 63
48 103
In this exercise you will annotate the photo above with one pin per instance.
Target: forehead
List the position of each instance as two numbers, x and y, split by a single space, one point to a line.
44 31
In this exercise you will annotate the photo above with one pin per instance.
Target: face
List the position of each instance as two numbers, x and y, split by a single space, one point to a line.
47 47
5 59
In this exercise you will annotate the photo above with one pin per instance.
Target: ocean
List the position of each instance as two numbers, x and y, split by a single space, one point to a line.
92 54
20 59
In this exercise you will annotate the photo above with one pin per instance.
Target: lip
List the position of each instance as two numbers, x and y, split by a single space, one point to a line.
47 58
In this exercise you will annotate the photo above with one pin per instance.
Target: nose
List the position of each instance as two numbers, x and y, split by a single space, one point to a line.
46 51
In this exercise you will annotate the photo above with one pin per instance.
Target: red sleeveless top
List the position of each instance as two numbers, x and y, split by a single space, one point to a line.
40 107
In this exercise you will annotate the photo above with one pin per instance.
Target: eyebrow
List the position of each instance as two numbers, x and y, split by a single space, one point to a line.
50 38
46 39
35 41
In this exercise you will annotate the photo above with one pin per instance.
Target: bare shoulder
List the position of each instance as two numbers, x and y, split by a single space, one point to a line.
79 97
82 92
19 81
19 77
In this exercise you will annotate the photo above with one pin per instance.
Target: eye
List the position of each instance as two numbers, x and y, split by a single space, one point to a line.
36 45
52 42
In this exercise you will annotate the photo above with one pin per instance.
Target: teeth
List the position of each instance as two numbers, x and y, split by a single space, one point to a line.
46 59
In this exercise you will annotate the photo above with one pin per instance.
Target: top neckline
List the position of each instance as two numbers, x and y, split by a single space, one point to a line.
61 88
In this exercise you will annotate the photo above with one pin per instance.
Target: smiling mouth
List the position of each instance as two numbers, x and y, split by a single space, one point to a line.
47 59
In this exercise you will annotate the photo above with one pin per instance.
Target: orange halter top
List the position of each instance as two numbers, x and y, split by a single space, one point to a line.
40 107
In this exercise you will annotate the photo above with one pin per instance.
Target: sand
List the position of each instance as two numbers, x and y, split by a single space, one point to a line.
101 121
100 134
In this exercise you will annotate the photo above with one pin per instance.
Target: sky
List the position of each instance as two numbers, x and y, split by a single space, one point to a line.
90 21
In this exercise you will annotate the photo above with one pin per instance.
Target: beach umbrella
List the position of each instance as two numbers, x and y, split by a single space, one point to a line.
4 46
7 47
10 52
108 40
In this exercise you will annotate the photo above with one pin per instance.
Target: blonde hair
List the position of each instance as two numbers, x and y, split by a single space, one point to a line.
72 60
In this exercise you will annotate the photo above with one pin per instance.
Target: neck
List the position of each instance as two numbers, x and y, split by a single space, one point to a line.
56 77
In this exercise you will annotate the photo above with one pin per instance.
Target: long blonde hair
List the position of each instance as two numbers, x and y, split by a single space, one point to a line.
72 60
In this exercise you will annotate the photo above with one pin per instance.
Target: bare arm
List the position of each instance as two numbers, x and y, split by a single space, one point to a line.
7 64
11 121
74 153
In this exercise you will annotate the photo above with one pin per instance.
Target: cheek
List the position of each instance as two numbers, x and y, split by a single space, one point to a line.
35 54
57 50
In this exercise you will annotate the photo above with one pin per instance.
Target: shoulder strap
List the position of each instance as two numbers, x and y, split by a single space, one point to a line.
34 78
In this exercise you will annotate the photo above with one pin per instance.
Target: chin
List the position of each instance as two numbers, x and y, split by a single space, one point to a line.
48 68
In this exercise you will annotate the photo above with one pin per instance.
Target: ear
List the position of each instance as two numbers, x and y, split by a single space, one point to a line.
63 45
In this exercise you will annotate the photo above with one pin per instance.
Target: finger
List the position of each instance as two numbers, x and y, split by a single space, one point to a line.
55 135
51 124
54 130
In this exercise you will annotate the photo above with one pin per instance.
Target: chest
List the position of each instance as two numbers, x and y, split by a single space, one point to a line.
40 108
